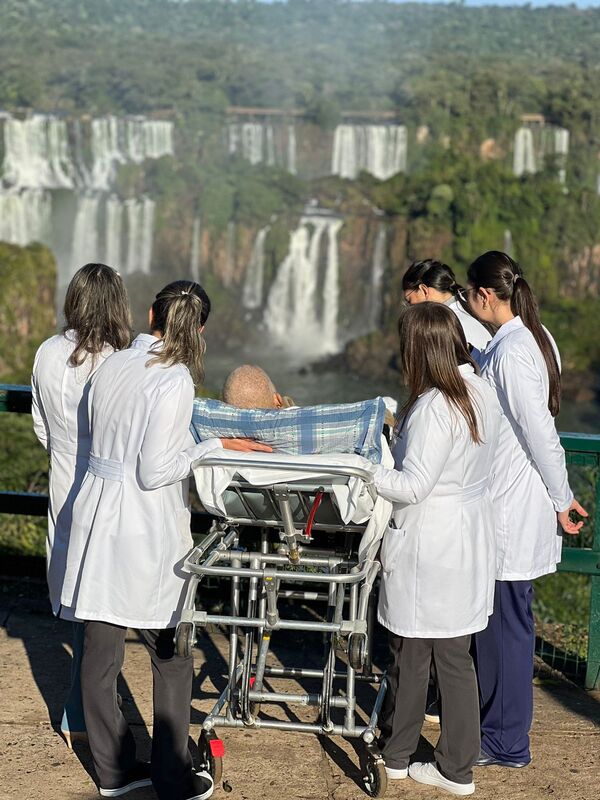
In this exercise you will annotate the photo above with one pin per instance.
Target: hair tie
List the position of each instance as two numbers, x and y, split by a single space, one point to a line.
515 278
184 291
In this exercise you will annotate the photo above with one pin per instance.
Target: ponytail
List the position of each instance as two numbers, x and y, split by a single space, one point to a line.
179 312
497 271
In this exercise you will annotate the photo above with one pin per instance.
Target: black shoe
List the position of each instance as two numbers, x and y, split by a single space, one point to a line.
485 760
202 786
137 777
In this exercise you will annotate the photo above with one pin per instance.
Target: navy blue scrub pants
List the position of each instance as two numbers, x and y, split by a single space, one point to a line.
503 655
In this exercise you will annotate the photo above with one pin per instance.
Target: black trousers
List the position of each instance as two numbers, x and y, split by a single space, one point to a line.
402 714
111 741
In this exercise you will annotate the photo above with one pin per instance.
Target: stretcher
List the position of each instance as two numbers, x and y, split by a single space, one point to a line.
290 528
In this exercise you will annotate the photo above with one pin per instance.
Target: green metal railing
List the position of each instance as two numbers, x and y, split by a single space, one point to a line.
583 450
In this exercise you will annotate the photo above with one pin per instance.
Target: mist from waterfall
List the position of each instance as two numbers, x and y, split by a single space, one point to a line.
301 313
380 150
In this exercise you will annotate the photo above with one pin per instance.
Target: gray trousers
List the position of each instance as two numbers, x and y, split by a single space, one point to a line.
402 714
111 741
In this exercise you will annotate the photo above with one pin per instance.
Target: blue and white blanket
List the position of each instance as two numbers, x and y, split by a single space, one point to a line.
346 428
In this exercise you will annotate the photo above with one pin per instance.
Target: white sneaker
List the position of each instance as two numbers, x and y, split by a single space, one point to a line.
396 774
428 773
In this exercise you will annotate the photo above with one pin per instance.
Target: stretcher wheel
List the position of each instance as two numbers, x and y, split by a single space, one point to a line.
375 776
357 650
184 639
211 755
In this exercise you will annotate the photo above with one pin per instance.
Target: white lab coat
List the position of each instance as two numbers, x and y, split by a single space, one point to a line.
131 528
60 421
438 556
531 482
475 333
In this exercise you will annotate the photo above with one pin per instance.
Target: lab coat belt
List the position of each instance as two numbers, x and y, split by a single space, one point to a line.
106 468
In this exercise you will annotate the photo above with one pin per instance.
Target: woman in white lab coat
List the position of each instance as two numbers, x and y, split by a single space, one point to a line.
531 495
438 556
435 282
98 322
130 537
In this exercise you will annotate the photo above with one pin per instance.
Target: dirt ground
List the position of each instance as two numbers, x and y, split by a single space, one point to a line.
265 765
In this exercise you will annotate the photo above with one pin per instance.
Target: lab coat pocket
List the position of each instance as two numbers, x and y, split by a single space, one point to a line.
183 518
391 547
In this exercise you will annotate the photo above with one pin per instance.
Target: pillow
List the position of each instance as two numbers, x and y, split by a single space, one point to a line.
345 428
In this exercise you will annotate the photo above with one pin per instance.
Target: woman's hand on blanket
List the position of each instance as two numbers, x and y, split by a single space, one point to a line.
245 445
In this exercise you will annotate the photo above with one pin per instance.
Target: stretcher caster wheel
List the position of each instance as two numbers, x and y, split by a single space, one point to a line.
184 639
375 776
211 750
357 650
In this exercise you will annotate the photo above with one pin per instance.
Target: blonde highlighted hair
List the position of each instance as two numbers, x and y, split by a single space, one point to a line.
179 312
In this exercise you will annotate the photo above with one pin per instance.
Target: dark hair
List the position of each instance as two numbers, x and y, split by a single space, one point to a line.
436 275
178 312
497 271
432 347
97 310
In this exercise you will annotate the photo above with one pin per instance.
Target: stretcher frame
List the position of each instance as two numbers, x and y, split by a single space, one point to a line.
291 570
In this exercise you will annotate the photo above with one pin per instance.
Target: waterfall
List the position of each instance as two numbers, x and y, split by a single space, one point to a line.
252 294
36 153
84 247
331 291
377 272
561 149
113 232
195 251
291 149
252 141
106 153
377 149
270 146
524 154
140 234
25 216
229 270
295 316
508 243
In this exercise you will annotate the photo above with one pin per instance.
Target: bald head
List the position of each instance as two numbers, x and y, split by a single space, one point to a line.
249 386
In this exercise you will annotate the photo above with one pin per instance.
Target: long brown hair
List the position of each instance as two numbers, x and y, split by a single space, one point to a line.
178 312
97 310
432 347
497 271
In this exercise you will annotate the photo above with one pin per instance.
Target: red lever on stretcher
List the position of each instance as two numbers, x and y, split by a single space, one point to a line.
217 748
312 513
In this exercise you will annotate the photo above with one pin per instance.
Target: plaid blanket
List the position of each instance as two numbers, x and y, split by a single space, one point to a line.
347 428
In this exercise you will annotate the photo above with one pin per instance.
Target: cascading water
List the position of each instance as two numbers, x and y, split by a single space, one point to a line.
561 149
377 272
44 154
296 317
195 251
85 248
252 293
524 153
291 150
508 243
377 149
25 216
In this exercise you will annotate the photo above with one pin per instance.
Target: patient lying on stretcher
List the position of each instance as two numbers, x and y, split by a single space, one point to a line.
290 430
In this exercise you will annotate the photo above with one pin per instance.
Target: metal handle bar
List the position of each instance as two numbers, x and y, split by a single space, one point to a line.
330 469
